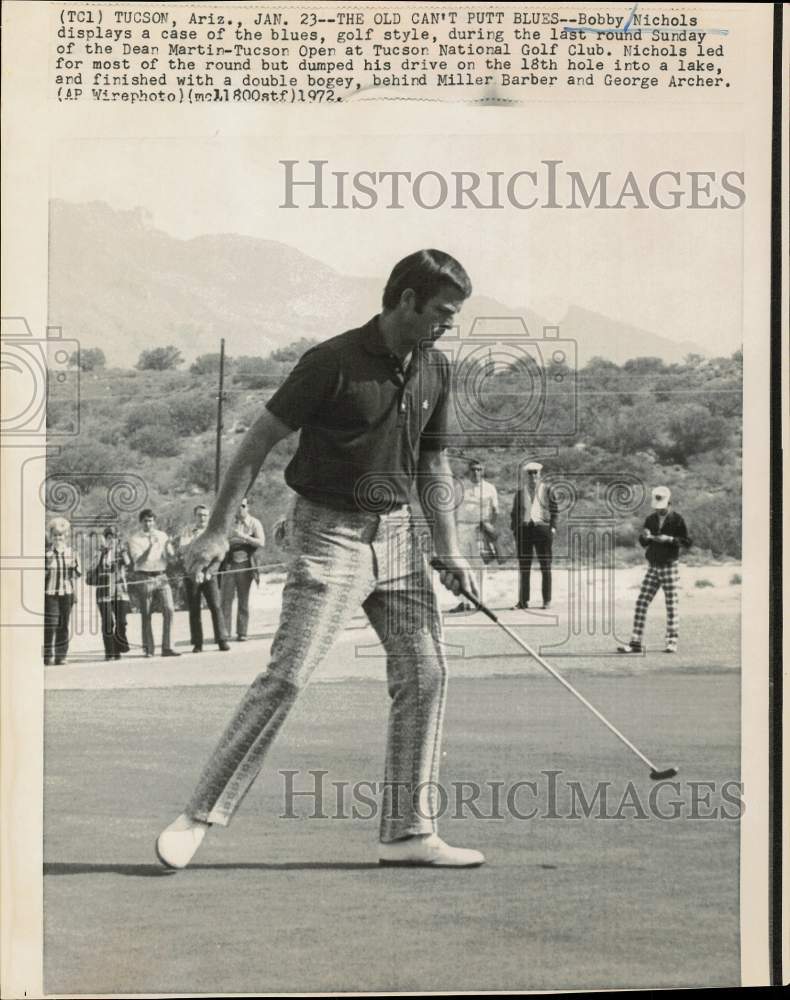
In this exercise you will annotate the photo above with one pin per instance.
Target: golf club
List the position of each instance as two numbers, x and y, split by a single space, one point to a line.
655 773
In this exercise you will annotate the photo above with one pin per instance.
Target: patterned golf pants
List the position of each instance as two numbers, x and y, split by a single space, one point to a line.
667 577
340 561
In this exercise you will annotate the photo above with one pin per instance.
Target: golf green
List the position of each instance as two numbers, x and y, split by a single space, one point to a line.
588 892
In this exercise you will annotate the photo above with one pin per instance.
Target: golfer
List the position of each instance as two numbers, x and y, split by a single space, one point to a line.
662 536
371 406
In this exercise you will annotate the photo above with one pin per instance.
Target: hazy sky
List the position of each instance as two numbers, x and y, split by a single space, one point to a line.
677 273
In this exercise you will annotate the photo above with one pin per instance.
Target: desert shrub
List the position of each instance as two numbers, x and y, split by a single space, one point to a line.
87 463
643 366
151 414
199 470
249 364
640 428
692 430
293 351
88 360
192 413
625 535
714 522
735 579
62 414
109 435
699 584
157 441
207 364
160 359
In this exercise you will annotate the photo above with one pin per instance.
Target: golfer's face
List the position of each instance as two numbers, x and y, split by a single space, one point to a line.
202 518
477 473
532 476
243 509
148 524
439 314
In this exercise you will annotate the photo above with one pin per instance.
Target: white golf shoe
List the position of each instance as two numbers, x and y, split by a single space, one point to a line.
427 851
177 843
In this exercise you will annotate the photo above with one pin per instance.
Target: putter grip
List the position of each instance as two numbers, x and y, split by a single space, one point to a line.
440 567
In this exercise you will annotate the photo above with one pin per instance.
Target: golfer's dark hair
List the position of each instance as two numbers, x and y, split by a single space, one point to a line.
200 506
145 513
425 272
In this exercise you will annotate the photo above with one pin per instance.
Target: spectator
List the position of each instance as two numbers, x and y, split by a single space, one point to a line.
197 589
533 521
476 524
240 568
150 551
663 534
61 567
112 594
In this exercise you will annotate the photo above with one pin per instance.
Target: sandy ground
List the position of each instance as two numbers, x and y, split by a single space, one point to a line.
276 904
579 631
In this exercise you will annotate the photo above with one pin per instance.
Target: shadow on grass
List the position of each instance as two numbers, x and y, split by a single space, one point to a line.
156 871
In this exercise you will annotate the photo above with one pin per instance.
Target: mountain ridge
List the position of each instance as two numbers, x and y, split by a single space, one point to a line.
118 282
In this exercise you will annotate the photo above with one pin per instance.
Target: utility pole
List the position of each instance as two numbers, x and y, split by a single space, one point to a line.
218 455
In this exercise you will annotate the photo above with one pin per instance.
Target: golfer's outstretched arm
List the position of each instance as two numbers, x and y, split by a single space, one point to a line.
205 554
256 444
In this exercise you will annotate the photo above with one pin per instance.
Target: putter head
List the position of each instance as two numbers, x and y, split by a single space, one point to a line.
668 772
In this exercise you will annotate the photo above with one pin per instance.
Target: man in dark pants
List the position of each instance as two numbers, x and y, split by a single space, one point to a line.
112 595
533 521
196 590
61 571
371 406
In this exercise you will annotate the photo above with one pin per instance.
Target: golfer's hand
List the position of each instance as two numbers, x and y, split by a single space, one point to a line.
456 575
203 555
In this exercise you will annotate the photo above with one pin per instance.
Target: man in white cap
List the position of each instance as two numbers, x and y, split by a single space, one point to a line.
663 534
533 521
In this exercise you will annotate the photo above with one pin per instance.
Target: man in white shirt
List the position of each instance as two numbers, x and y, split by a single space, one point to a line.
197 589
533 521
150 551
475 520
240 568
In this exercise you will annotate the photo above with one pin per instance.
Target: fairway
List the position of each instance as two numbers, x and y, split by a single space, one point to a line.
298 904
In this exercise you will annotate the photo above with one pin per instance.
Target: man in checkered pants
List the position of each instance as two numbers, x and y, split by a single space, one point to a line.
663 534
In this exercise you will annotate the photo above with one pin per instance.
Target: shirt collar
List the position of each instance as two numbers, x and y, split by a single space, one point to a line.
374 343
373 339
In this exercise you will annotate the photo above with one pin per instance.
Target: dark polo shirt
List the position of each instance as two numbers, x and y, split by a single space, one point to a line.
363 420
